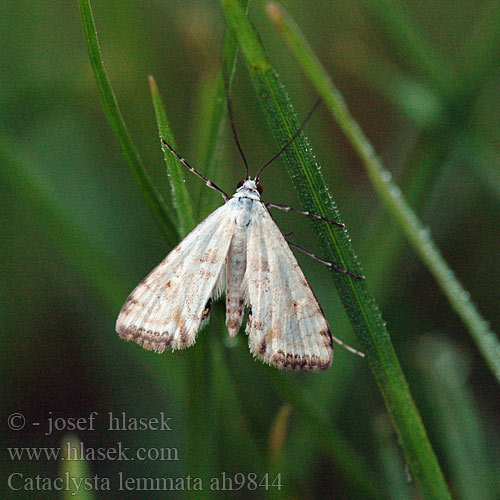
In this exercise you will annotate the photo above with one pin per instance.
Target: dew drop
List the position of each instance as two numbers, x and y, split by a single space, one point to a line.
395 191
425 233
386 176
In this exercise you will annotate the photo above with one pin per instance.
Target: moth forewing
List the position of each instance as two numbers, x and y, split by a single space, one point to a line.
287 328
168 307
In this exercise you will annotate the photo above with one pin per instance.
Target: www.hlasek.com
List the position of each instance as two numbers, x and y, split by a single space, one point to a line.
78 451
223 482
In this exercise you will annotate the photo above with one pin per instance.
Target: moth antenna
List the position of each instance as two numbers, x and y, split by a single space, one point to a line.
233 128
208 182
284 148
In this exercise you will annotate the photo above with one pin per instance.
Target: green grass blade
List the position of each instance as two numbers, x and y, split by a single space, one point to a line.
480 54
413 46
360 306
198 460
153 199
209 141
235 426
105 277
216 116
74 245
181 199
391 196
483 161
203 375
457 420
98 269
339 448
75 467
391 460
199 418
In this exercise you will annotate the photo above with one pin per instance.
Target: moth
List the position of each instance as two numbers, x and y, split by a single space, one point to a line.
238 249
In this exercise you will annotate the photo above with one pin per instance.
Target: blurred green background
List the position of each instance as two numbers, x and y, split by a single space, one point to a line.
77 237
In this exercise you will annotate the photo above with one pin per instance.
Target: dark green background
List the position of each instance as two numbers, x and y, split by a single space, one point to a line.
61 356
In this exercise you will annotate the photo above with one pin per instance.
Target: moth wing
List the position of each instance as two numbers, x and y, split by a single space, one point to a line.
287 327
167 308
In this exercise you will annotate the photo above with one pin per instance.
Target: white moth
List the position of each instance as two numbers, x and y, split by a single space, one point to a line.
238 249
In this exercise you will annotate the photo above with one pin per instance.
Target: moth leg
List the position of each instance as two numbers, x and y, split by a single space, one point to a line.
285 208
326 263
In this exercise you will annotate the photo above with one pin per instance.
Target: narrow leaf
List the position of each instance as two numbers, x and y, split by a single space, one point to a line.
216 116
153 199
338 447
74 470
391 460
182 201
457 419
390 194
360 306
413 46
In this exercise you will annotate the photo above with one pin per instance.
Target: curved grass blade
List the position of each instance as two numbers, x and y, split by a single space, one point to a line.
150 194
69 240
181 199
99 269
338 447
200 405
74 471
360 306
390 194
106 278
478 57
412 44
200 384
210 151
457 420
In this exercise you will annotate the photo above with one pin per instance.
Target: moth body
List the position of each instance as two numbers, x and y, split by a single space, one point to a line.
238 249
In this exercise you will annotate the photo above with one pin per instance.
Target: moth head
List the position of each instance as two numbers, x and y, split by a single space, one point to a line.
251 185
